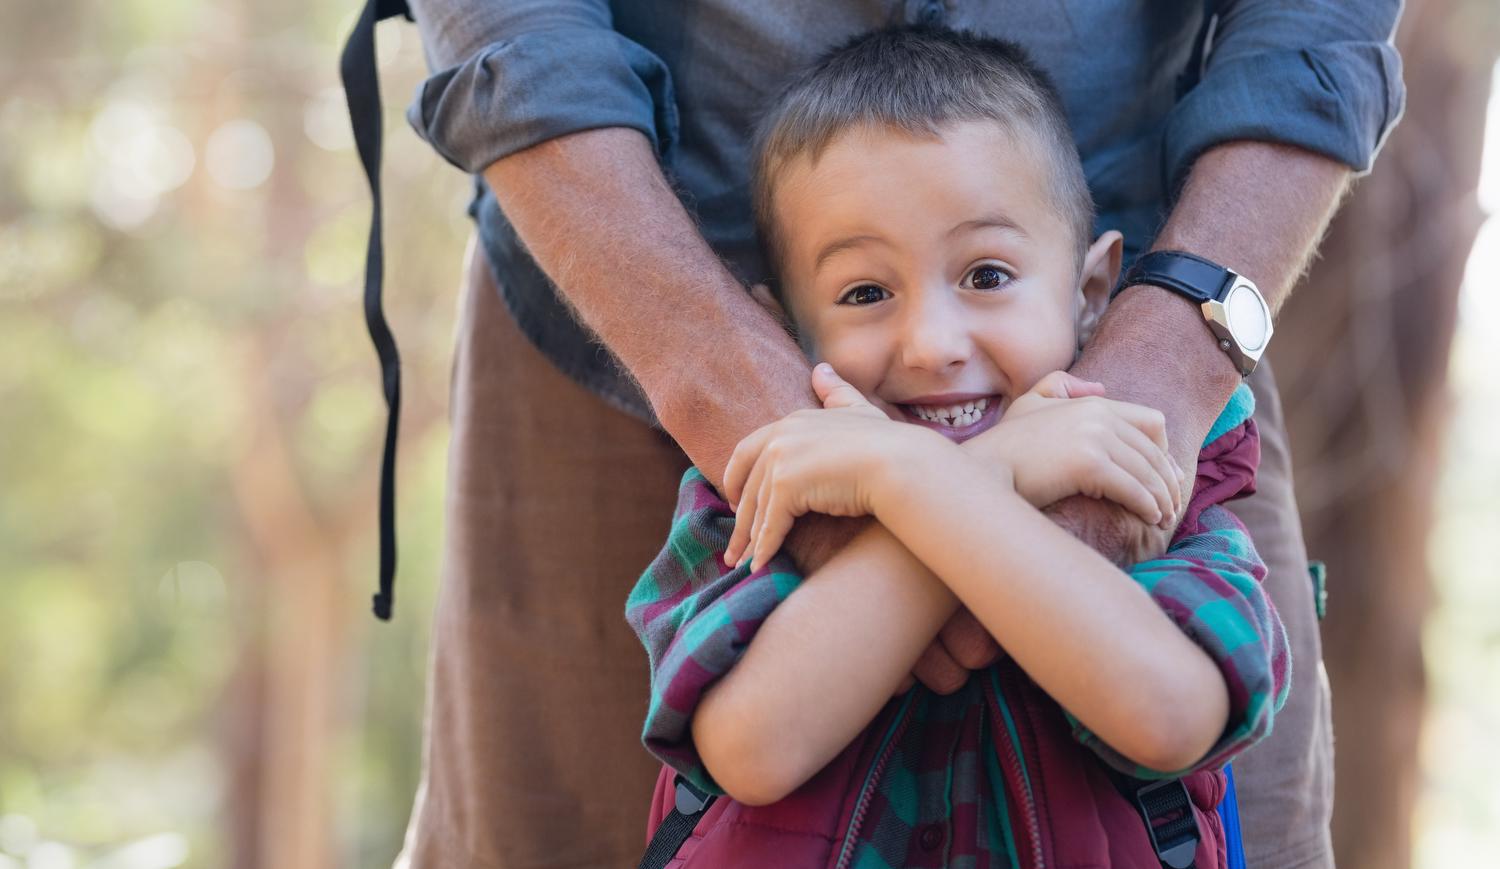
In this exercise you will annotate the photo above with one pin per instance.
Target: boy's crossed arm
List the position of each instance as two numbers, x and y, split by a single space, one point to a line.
767 717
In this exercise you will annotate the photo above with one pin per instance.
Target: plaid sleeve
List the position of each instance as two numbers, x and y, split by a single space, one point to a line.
1209 583
696 617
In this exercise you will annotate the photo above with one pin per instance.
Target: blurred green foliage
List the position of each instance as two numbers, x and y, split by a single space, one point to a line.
182 225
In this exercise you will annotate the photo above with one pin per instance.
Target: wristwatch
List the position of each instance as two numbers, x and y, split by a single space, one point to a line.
1232 305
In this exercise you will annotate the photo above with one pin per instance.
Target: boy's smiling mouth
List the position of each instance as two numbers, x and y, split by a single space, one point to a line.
957 416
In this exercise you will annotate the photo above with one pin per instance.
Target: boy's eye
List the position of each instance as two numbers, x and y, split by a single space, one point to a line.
864 294
989 277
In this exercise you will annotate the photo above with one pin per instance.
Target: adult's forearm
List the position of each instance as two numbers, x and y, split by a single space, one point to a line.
595 211
1255 207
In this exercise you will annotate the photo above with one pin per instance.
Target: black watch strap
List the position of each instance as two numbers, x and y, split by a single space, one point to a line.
1192 276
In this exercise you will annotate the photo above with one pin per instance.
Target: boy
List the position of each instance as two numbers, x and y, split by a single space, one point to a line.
921 200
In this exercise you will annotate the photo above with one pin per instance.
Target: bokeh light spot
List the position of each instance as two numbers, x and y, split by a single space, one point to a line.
325 119
239 155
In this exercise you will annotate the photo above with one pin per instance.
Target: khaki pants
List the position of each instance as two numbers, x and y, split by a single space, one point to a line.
556 503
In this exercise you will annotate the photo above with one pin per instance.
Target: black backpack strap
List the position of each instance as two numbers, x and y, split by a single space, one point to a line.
362 92
675 828
1167 811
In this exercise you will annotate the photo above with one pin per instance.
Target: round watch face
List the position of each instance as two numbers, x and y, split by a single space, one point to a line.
1248 318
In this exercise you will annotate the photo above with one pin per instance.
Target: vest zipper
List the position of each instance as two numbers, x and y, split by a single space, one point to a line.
872 776
1010 757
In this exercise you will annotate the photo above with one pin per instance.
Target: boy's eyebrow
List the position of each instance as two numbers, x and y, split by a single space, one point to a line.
842 245
989 221
993 220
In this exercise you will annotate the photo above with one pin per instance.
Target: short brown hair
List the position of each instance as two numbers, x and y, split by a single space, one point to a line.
916 78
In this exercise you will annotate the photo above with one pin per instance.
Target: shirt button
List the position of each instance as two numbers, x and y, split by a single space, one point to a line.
931 837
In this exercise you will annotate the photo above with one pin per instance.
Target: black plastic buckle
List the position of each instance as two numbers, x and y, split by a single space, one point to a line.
1176 839
690 801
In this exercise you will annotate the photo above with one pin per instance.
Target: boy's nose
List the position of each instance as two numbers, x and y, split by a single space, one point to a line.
936 335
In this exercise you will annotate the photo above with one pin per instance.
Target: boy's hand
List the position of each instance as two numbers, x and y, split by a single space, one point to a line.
823 461
1049 444
1064 438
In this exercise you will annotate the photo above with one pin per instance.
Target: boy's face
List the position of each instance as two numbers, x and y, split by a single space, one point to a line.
935 272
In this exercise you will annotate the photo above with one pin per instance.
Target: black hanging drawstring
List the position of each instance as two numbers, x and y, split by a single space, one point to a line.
362 92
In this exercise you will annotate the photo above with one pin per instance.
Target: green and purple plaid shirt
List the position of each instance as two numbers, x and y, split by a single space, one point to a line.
941 800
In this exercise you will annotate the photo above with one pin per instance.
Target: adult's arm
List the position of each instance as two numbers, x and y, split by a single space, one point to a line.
1255 207
586 194
569 123
1294 100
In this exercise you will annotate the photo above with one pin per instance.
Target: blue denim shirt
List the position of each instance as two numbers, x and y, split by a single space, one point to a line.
692 75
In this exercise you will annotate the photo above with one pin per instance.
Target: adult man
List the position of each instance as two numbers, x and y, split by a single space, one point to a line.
611 146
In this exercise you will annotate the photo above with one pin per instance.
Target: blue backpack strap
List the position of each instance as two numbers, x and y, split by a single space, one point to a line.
362 92
1229 814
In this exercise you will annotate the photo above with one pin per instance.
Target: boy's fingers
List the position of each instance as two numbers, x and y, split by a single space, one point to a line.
1148 420
734 473
744 520
1122 487
773 530
741 461
1061 384
1161 464
1079 388
834 391
1184 483
762 502
1159 486
736 542
1053 385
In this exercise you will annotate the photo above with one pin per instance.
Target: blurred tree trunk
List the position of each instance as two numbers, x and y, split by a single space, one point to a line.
1364 350
296 653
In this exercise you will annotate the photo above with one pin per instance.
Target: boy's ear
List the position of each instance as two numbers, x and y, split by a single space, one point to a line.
1101 270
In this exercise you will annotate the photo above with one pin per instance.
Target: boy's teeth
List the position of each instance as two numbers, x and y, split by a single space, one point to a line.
963 414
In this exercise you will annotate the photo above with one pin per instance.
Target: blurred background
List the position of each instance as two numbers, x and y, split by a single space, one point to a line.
190 431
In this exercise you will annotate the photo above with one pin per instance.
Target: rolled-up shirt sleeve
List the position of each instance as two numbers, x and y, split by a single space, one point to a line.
1210 585
696 617
509 75
1324 76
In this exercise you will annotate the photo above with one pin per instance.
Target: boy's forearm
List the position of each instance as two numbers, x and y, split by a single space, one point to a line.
820 668
1089 636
